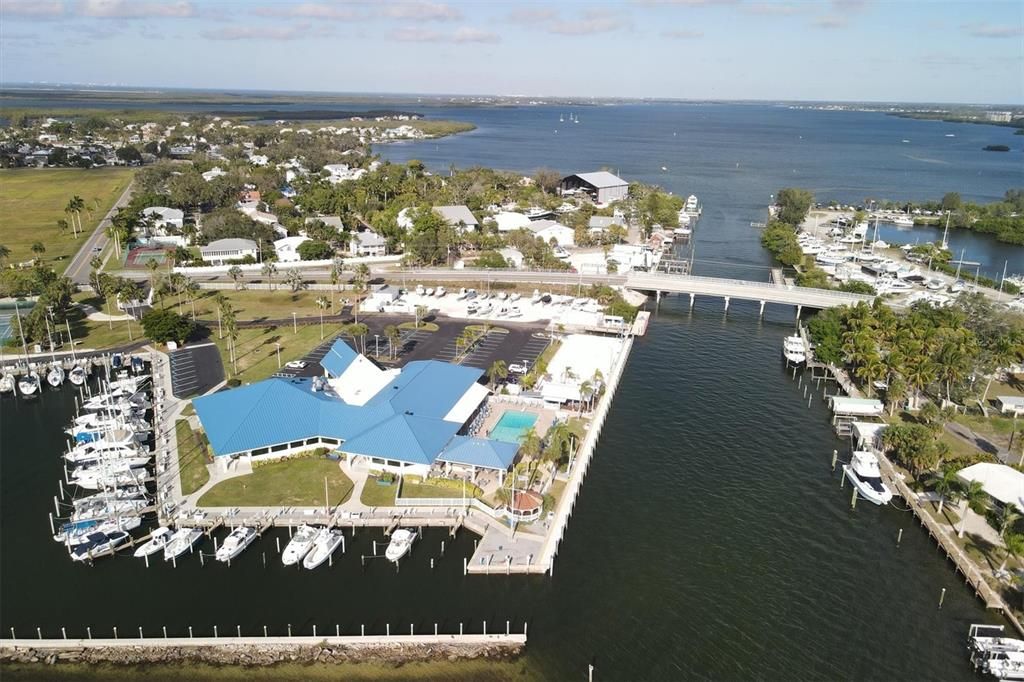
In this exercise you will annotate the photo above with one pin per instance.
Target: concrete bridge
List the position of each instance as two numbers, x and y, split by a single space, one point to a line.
746 290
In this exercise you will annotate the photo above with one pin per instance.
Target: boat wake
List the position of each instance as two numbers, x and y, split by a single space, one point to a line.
925 160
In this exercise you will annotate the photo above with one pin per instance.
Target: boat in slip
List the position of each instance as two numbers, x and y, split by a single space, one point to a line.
401 543
1001 657
7 383
183 540
235 543
865 475
325 544
300 544
78 532
794 350
55 375
77 375
29 384
903 221
99 543
157 539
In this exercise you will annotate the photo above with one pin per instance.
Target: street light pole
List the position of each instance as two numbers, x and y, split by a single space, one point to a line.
376 344
278 354
295 324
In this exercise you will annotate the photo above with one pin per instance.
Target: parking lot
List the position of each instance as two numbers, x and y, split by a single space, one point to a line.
512 343
195 370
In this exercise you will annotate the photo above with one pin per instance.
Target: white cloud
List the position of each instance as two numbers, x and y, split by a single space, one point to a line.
421 10
590 22
134 9
993 31
293 32
463 34
830 21
682 34
31 8
312 10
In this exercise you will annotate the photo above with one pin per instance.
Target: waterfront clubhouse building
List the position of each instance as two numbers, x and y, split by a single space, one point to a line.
399 420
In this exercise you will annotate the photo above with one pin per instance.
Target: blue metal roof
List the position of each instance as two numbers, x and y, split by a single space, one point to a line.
480 452
338 358
428 388
404 421
403 437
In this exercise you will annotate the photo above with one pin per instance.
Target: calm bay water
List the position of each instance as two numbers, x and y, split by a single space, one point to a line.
710 540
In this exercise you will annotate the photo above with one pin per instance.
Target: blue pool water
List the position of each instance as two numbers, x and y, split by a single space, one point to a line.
512 425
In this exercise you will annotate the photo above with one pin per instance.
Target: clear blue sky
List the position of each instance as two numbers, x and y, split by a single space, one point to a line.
903 50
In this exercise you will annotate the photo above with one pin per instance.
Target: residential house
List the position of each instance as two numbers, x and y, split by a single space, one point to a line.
549 229
287 249
513 256
367 243
459 217
214 172
223 250
508 221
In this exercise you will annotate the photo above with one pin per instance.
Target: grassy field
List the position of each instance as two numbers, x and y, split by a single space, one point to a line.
252 305
482 670
192 457
298 481
33 200
420 490
257 352
375 495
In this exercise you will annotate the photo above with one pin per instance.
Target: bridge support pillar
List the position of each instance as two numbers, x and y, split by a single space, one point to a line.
762 308
799 309
692 297
726 304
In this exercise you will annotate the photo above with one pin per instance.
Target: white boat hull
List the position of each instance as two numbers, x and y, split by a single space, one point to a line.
325 545
866 490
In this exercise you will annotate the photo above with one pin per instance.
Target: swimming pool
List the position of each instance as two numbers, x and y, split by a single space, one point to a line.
512 426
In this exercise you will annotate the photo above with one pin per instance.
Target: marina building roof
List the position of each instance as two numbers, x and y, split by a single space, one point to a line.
482 453
408 415
601 179
1002 483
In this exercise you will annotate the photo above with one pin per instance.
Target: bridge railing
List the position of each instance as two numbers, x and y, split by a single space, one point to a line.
831 293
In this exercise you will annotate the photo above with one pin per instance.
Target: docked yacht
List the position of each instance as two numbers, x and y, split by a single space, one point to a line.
692 206
157 539
77 532
401 543
300 544
863 472
903 221
7 383
97 543
794 350
1001 657
235 543
55 377
119 457
29 384
108 509
77 375
183 540
325 544
108 475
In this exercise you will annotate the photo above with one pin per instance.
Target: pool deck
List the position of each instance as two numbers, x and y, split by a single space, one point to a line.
500 404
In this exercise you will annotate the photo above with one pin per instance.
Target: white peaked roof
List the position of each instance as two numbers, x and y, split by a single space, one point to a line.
164 213
456 214
361 380
1001 482
541 225
602 179
467 404
230 244
509 220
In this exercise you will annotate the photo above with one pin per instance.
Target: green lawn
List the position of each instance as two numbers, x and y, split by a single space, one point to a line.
298 481
250 304
375 495
257 350
192 457
90 334
33 200
424 326
420 490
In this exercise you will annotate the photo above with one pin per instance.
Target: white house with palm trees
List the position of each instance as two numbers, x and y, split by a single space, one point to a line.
162 225
221 251
1002 483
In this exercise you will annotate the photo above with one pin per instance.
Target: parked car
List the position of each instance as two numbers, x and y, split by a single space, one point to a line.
296 364
517 368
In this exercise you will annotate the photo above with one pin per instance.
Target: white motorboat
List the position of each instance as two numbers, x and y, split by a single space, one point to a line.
77 375
692 206
108 509
183 540
864 473
934 285
108 475
794 344
77 532
429 291
903 221
794 357
1001 657
514 297
55 377
115 398
439 292
127 493
156 542
7 383
325 544
401 543
956 287
536 297
97 543
235 543
119 458
29 384
300 544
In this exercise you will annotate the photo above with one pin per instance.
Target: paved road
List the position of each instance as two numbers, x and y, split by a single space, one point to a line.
78 269
984 444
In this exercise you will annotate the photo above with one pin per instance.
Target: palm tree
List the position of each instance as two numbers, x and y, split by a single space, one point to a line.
5 253
222 304
947 485
1014 543
38 248
294 279
235 273
497 372
361 330
559 442
920 372
1003 352
322 303
530 443
392 334
1008 517
359 284
586 391
77 203
152 265
870 370
336 268
62 225
896 392
191 289
976 499
421 312
269 270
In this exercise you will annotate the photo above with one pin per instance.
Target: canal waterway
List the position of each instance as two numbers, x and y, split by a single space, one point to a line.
711 539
